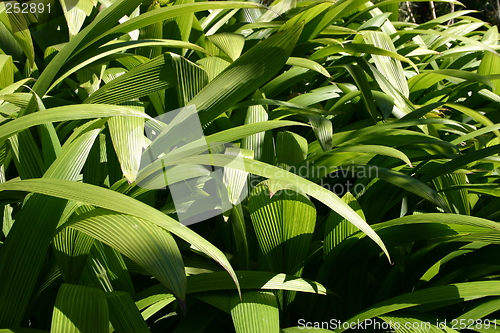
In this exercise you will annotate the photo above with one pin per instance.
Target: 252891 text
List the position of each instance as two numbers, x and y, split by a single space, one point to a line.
25 8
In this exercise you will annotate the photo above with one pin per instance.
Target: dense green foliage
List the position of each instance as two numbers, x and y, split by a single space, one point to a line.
372 146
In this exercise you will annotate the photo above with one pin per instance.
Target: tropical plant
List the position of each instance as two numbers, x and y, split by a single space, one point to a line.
370 147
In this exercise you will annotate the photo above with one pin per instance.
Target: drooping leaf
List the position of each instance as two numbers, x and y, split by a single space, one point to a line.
124 314
230 43
253 305
74 305
338 229
150 246
127 134
120 203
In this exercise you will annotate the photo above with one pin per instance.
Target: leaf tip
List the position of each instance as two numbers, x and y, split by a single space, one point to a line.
130 178
182 305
